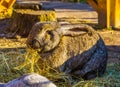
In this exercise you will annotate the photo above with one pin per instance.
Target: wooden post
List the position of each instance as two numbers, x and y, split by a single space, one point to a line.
116 13
108 13
104 13
93 4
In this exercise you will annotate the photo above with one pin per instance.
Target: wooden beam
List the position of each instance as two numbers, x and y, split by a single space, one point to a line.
93 4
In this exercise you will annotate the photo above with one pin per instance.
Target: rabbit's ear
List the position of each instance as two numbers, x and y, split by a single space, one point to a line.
74 30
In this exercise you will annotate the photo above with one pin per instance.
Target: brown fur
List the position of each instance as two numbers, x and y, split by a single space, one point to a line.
76 52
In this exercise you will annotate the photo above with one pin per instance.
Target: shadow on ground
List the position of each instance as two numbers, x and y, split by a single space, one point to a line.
67 5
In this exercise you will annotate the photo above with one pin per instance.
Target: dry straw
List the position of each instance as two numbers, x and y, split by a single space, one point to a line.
13 64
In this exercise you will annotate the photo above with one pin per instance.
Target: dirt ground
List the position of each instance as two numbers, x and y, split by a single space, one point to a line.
75 13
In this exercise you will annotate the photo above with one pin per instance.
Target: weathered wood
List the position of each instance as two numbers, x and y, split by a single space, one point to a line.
23 20
36 5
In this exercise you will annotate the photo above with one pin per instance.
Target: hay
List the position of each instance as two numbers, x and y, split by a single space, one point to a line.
8 60
7 13
11 62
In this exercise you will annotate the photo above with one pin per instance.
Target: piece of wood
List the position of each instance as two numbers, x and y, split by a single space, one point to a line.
23 20
103 13
101 7
93 4
35 5
108 13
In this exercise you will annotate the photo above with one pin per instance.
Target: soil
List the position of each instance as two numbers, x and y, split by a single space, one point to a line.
74 13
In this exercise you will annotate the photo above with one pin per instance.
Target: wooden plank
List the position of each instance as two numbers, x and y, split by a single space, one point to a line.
36 5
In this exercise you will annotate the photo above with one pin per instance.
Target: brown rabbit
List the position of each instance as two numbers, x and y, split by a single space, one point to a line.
74 49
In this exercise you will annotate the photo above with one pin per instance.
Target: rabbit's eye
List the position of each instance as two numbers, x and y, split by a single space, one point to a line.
47 36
